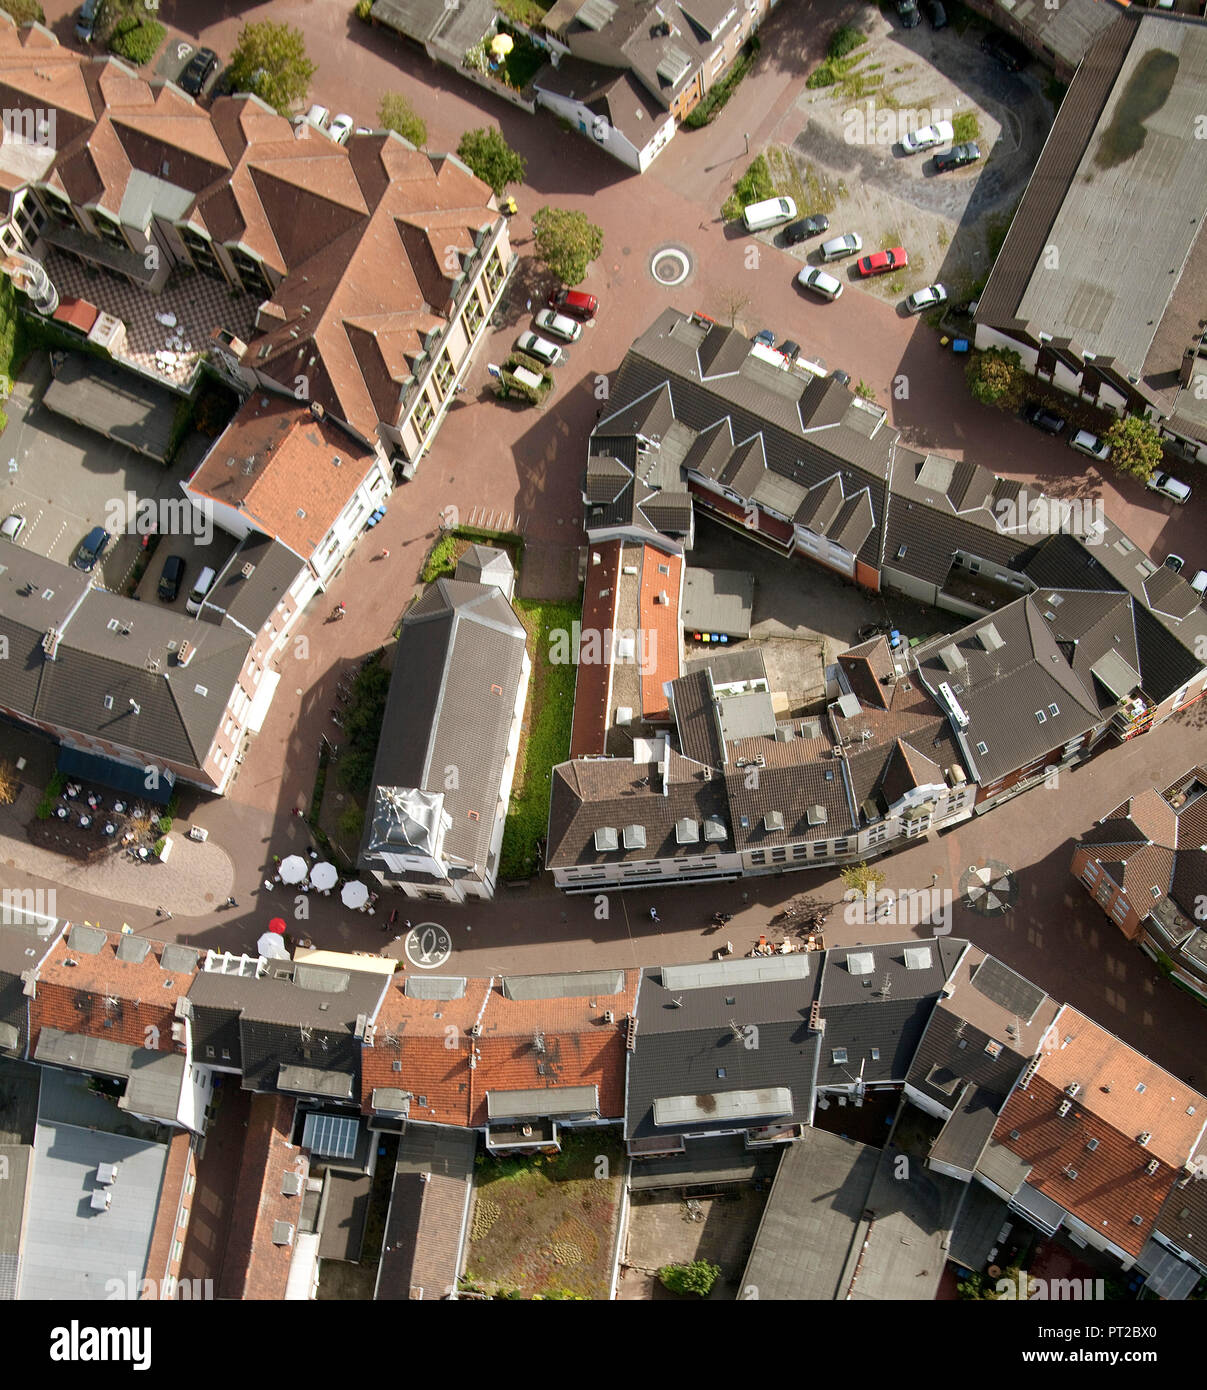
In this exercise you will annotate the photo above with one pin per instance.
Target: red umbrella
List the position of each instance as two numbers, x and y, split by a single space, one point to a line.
277 925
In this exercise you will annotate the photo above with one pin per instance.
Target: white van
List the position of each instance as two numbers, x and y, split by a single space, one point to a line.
759 216
205 582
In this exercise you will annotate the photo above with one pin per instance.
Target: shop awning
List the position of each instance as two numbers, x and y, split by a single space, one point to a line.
96 770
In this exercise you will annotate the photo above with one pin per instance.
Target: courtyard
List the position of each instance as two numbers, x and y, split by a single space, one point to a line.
666 1227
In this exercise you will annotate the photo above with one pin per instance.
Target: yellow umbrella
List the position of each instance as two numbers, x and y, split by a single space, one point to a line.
501 45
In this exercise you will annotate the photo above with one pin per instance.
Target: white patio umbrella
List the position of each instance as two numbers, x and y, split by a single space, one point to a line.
324 877
354 894
272 946
293 869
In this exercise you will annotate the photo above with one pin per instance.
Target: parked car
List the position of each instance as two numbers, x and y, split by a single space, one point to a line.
1043 419
938 15
1168 486
317 116
171 578
341 129
820 282
930 135
558 326
764 337
575 303
929 298
1199 583
1002 49
907 13
881 261
540 348
797 232
85 21
841 246
201 68
12 526
957 157
838 375
769 213
1174 562
92 547
1086 443
789 350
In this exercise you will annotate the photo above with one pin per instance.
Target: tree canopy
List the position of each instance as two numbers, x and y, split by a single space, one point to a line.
566 242
491 158
271 61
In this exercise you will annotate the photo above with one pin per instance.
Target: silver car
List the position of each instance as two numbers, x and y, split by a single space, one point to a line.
820 282
540 348
840 246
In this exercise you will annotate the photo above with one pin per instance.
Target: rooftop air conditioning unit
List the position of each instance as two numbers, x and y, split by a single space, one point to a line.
1072 1088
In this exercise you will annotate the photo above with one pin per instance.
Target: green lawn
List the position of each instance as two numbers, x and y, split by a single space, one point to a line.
547 1225
545 740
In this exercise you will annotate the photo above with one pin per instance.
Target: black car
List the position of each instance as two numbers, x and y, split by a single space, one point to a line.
92 547
201 65
789 350
796 232
170 579
1043 418
957 157
938 15
907 13
1012 56
838 375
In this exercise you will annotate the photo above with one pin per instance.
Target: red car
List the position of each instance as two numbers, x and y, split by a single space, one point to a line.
895 259
576 303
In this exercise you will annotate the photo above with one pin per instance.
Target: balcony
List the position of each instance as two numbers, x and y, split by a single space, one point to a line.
66 236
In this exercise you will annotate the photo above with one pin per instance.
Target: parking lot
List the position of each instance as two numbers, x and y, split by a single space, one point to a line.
64 480
841 154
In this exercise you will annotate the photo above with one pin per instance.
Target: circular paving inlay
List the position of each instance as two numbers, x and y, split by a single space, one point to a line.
670 265
989 888
428 946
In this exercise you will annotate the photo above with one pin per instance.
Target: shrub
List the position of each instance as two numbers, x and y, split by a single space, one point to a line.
843 41
697 1277
159 844
395 112
363 9
53 788
755 186
1135 446
165 824
352 823
137 40
862 879
996 377
25 11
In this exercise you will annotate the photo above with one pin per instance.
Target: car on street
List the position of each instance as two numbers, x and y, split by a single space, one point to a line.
789 350
820 282
1002 49
1043 419
797 232
957 157
1174 562
341 129
930 135
840 246
1199 583
1168 486
92 547
200 69
558 326
171 577
764 337
880 262
12 526
85 21
938 15
930 298
1090 445
575 303
838 375
318 116
907 13
540 348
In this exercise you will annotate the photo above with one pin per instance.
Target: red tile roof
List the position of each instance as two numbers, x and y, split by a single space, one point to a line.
77 998
593 684
171 1191
255 1267
661 628
276 460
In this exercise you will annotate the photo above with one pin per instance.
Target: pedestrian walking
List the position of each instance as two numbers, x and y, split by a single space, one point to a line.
654 915
230 902
407 924
529 306
382 555
934 878
297 811
393 917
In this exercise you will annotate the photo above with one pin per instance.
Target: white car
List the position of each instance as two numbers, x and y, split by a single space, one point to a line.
1199 583
540 348
12 526
1168 486
558 326
341 129
317 116
1086 443
929 298
914 141
815 279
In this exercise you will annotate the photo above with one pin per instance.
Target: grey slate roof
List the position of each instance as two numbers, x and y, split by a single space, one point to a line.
680 1048
882 1011
248 599
963 1138
22 948
453 689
